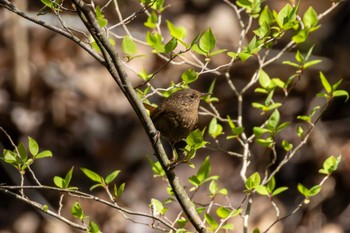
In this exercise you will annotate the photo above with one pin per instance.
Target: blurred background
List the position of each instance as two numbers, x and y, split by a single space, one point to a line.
53 91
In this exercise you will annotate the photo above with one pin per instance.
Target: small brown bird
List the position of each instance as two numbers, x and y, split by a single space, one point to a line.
177 116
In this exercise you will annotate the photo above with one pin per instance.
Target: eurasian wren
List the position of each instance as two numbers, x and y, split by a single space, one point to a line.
177 116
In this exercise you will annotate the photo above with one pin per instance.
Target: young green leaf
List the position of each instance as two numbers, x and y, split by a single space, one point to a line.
77 211
68 177
154 40
252 181
112 176
171 45
213 187
189 76
22 152
204 169
92 175
129 46
176 32
330 165
310 19
152 20
102 21
44 154
157 206
207 41
211 221
215 129
325 83
33 146
274 120
341 93
93 227
59 182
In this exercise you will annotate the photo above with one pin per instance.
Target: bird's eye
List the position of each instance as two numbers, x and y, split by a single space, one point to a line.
192 96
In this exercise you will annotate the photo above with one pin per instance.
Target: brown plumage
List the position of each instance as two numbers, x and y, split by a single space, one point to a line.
177 116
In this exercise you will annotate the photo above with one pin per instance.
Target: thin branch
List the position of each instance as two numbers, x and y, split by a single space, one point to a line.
83 195
40 207
11 7
124 83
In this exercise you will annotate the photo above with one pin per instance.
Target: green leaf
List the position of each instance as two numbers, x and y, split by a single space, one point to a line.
223 191
330 165
315 190
213 187
195 139
303 190
223 212
311 63
120 190
92 175
264 79
325 83
268 142
336 85
59 182
93 227
291 64
33 146
301 36
129 46
207 41
112 176
10 157
274 120
262 190
77 211
211 221
204 170
152 20
44 154
287 146
68 178
22 152
273 106
171 45
339 93
53 4
244 56
154 40
262 31
156 168
310 18
232 54
258 131
189 76
300 131
158 5
252 181
157 206
176 32
299 57
279 190
266 16
182 222
282 126
215 129
102 21
271 184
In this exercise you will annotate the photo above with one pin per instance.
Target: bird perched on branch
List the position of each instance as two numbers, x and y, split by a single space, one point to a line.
177 116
